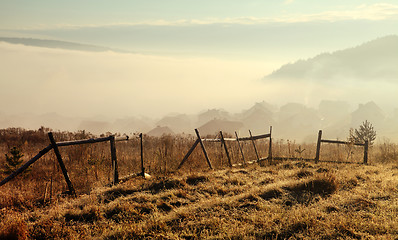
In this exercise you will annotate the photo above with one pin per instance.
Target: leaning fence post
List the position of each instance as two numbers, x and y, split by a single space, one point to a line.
61 164
189 153
318 146
203 148
254 145
226 149
240 148
142 156
114 160
365 154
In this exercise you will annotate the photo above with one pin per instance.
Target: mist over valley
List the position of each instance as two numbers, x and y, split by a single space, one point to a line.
95 89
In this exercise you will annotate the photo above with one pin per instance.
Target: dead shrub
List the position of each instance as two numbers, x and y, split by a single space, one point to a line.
350 184
89 215
303 174
145 208
234 181
271 194
122 213
288 233
49 229
250 198
359 204
116 192
323 186
347 232
165 184
267 181
249 206
322 170
330 209
304 165
164 206
195 179
305 192
288 166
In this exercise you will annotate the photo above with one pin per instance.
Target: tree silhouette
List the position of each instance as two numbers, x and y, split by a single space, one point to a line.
13 161
364 133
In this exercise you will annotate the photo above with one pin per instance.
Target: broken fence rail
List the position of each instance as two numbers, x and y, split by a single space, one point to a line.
238 139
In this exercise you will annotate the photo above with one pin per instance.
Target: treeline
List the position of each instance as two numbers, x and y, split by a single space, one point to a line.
18 136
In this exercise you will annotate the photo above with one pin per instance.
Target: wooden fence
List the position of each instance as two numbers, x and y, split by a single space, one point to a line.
112 140
320 140
55 146
223 141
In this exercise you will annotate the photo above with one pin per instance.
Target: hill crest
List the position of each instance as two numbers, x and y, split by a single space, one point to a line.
371 61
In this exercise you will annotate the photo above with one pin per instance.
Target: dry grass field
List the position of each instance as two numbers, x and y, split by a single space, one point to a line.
286 200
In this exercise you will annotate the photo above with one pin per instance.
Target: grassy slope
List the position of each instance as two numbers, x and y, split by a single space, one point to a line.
291 200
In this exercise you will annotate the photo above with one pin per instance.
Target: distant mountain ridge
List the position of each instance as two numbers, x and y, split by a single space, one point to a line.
292 121
370 61
45 43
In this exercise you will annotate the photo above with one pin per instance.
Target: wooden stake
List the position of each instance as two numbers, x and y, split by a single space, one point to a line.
114 160
254 145
318 146
51 189
45 193
142 156
226 149
365 154
240 148
270 145
61 164
203 148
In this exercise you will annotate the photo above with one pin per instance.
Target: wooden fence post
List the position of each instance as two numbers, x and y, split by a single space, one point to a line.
226 149
203 148
270 145
61 164
240 148
318 146
254 145
142 156
114 160
365 154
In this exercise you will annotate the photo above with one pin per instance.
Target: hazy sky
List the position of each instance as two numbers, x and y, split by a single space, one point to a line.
54 14
186 56
285 29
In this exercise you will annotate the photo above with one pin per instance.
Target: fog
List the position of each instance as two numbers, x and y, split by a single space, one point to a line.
85 84
108 87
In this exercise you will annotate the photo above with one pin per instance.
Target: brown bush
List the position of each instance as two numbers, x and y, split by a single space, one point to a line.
323 186
196 179
165 184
